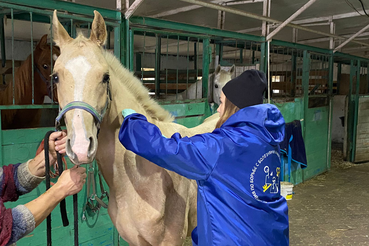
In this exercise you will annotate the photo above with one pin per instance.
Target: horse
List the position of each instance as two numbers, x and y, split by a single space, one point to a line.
21 118
147 204
216 82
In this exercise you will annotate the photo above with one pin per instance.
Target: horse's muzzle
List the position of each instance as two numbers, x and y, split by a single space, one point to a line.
81 152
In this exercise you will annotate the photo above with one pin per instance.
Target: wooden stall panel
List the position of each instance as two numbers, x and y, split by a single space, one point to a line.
362 134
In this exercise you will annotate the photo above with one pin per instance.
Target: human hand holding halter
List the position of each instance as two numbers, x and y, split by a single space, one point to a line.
57 142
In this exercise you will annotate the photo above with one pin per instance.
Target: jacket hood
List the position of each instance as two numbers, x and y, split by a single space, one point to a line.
263 120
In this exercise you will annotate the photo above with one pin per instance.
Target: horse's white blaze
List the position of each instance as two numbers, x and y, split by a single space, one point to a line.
79 68
81 143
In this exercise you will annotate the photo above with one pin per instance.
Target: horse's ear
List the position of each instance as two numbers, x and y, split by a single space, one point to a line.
232 69
43 42
217 70
61 36
98 29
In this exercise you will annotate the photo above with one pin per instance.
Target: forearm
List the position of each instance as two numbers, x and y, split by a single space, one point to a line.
37 165
42 206
31 173
25 179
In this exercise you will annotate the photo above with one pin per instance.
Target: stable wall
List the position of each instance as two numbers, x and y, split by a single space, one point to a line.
22 49
345 85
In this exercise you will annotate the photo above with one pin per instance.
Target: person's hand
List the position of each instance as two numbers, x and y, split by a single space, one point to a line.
128 111
57 142
72 180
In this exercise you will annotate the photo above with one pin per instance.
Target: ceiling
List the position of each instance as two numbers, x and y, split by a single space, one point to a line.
280 10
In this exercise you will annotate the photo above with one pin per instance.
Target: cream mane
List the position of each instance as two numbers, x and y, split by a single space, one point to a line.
152 108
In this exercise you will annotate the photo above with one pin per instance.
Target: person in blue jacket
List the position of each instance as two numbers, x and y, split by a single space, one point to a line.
237 166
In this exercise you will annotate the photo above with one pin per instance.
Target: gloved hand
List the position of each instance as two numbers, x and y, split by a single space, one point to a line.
127 111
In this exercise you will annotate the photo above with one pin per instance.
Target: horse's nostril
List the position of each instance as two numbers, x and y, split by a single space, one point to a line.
91 147
69 146
216 86
69 150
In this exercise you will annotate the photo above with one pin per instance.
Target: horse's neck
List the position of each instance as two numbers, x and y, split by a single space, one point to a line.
123 99
112 156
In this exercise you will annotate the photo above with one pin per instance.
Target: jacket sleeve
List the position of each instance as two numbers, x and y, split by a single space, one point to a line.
16 180
8 186
19 221
193 157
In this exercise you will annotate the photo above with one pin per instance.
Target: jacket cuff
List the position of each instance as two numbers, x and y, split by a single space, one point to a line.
23 222
26 179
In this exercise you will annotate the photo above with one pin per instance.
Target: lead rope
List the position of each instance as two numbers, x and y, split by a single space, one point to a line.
63 210
75 201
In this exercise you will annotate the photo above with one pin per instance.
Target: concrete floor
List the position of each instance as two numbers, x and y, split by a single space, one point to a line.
333 208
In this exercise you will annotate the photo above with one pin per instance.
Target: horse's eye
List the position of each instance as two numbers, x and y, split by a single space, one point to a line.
45 66
216 86
106 78
55 78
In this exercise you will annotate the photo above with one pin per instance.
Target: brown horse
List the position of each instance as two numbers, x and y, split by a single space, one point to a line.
22 118
148 204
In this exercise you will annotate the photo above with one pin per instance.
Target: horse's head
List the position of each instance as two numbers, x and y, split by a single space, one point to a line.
221 77
82 77
42 67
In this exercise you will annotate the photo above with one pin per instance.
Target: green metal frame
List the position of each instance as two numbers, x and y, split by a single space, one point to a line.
205 66
305 86
339 73
42 11
69 7
350 119
159 34
157 65
356 112
146 21
330 100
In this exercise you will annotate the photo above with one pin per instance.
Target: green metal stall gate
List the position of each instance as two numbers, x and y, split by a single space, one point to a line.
303 86
306 96
20 145
181 54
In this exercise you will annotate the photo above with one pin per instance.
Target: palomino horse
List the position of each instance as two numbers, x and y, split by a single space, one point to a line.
148 204
12 119
215 85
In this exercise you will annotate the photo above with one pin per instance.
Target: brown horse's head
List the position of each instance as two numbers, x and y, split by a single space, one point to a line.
82 75
42 68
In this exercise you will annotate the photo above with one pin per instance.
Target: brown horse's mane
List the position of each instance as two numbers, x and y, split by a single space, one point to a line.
22 81
22 78
135 86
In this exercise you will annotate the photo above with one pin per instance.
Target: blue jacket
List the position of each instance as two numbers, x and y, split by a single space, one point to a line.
237 169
